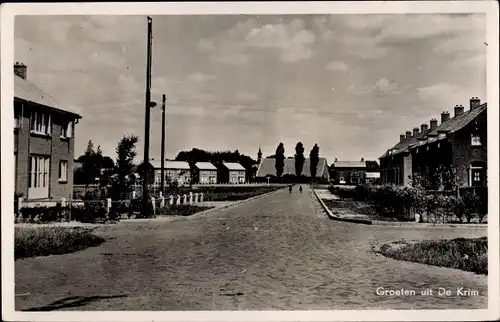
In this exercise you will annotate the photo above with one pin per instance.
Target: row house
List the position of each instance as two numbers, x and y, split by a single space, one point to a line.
459 142
348 172
233 172
43 142
207 172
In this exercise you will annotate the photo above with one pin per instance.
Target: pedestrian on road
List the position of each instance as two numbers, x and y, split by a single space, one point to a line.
300 189
290 188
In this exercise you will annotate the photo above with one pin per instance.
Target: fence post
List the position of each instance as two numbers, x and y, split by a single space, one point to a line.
19 204
108 205
191 198
184 201
171 201
154 204
178 200
201 197
196 198
63 202
162 201
134 194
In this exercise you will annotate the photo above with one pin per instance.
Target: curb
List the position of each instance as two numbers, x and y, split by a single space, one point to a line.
427 225
334 217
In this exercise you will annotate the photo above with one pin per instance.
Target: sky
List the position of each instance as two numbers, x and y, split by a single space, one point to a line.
350 83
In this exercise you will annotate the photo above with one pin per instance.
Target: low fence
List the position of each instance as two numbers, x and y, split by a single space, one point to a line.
90 210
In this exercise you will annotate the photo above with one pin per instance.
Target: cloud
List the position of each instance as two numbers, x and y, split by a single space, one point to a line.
336 65
438 91
201 77
291 40
383 86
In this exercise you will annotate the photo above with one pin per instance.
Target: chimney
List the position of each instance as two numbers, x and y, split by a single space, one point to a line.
21 70
362 159
459 110
474 102
402 137
408 134
445 116
434 124
415 131
335 160
423 128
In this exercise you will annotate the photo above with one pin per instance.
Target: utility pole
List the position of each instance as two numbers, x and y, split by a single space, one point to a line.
163 106
145 194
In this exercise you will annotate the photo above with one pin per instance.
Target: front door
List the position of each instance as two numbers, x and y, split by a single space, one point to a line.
38 182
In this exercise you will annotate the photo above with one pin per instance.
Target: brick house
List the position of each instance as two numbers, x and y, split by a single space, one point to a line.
267 168
459 142
207 172
348 172
232 172
43 142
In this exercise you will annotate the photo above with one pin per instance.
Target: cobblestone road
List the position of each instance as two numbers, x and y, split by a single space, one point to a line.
276 252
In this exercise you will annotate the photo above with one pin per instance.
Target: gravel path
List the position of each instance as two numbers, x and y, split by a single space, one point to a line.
276 252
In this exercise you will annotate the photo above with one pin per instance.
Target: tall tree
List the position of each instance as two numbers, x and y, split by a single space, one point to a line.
280 160
314 160
91 165
299 159
125 156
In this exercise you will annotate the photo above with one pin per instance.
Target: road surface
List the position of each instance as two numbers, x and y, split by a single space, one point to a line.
278 252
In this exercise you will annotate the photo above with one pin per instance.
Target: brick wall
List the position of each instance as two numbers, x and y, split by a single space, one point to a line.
464 153
54 146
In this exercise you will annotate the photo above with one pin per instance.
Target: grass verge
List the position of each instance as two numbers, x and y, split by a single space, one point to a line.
43 241
467 254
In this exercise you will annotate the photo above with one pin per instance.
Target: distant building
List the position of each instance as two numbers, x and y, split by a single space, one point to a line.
207 173
267 168
459 142
233 172
178 171
43 142
348 172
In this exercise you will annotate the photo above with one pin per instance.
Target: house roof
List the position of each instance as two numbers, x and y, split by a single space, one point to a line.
175 165
451 125
205 166
233 166
27 91
267 167
349 164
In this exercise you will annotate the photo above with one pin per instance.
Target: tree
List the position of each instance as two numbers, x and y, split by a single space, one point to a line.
299 159
91 165
280 160
314 160
124 163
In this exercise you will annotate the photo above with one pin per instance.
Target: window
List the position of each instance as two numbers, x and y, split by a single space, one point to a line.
63 171
18 115
41 123
66 128
39 172
475 140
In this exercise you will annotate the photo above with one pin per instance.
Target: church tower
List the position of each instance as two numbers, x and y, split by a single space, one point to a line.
259 156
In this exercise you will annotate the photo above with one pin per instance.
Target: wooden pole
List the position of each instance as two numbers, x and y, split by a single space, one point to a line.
145 194
164 99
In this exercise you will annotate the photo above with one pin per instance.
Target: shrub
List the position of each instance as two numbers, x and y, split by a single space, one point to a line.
44 214
180 210
460 253
43 241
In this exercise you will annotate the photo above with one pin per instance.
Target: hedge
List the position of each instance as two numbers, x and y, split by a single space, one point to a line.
404 202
